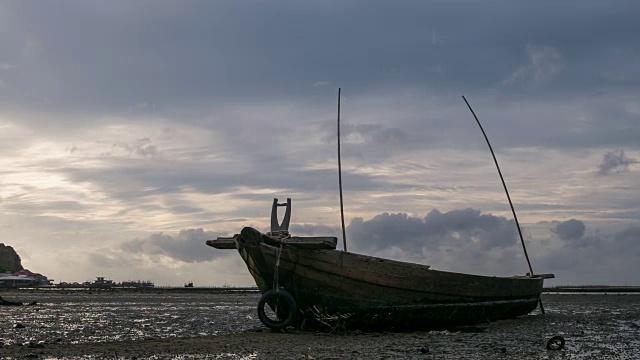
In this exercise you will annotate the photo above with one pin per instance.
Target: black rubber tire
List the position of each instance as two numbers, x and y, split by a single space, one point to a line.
555 343
285 305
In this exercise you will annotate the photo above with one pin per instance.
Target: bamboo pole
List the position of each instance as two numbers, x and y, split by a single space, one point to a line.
344 236
515 217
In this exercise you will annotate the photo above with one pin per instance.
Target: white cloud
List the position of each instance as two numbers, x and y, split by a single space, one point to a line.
544 63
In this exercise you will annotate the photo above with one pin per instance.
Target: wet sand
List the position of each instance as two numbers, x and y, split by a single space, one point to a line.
594 326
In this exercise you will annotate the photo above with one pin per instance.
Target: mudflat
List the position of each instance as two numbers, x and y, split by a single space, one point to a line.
224 326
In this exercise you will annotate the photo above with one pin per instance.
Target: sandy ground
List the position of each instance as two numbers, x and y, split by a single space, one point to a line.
595 327
270 345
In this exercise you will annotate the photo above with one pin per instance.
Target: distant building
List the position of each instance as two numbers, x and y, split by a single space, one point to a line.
100 282
10 280
137 284
38 278
23 278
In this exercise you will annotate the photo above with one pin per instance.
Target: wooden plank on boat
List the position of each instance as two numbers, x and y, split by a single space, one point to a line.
224 243
312 242
305 242
377 276
544 276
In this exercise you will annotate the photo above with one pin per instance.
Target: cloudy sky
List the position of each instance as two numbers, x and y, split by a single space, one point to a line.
133 131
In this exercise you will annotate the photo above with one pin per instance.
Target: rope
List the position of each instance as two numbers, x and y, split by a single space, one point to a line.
276 273
281 236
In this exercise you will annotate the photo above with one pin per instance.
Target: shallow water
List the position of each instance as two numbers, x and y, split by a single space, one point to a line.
81 316
594 326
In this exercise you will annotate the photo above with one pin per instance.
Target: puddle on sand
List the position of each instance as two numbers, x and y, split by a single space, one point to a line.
593 326
112 316
226 356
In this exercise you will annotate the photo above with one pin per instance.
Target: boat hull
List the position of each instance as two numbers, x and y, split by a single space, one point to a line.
368 292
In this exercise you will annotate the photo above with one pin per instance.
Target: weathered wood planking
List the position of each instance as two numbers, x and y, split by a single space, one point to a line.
224 243
384 292
544 276
368 290
423 282
312 242
303 242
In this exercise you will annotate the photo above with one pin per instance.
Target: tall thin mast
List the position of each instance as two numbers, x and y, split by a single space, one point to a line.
513 210
344 236
515 217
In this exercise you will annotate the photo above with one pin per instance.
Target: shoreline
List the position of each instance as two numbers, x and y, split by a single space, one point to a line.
86 289
253 289
112 325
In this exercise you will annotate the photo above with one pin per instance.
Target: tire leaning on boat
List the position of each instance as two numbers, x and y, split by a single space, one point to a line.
283 304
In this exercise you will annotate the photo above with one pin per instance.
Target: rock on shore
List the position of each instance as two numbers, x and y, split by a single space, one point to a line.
9 260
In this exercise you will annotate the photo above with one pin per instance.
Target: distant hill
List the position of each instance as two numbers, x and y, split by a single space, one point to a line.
9 259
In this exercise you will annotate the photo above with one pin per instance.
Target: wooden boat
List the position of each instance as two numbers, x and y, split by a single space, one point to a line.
308 280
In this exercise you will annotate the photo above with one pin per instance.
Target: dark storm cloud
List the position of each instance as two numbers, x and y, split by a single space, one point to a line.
453 228
386 230
122 54
628 240
544 63
188 246
615 161
598 258
570 230
183 62
373 140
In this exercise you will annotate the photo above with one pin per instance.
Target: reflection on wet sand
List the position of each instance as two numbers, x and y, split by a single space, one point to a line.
225 326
